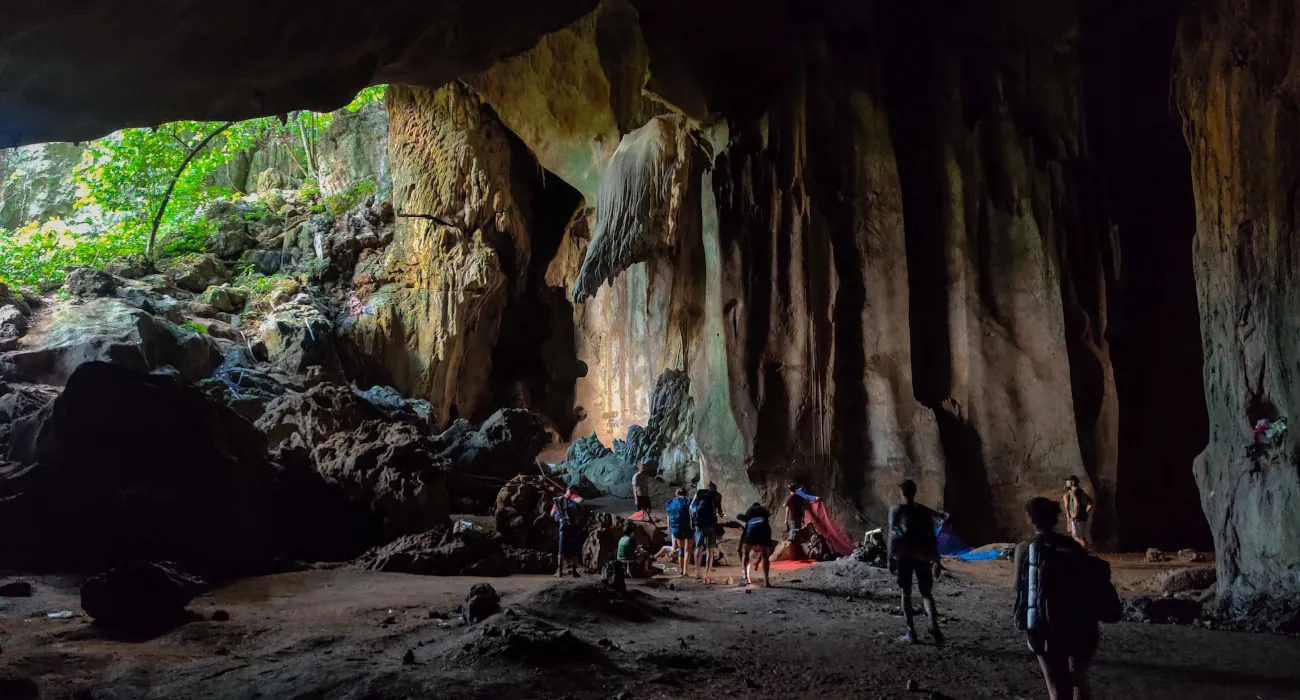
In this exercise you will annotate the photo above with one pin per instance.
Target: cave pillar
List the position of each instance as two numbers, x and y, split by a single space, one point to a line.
1236 82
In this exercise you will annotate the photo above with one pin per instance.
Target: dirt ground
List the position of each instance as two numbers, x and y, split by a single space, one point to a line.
827 630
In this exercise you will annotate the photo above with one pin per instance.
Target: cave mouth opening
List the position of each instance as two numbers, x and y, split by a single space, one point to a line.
534 362
1154 325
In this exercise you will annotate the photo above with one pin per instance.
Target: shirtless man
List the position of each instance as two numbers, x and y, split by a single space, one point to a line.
1078 506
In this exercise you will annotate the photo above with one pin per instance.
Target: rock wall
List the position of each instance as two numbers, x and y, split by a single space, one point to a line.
36 183
889 209
1236 78
431 315
354 149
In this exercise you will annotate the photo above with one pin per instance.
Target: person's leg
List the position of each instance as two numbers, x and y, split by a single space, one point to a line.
1078 668
925 583
559 556
690 548
708 563
1056 673
766 553
907 612
744 564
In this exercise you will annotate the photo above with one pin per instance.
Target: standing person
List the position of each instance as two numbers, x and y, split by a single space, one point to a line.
679 528
1078 506
568 512
1054 580
641 488
913 548
795 505
756 537
704 516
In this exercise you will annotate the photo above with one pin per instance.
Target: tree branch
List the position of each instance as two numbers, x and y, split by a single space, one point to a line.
157 219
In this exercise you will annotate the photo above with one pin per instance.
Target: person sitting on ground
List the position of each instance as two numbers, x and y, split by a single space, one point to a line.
795 505
1066 640
679 528
641 488
913 548
1078 506
757 537
571 517
704 518
629 554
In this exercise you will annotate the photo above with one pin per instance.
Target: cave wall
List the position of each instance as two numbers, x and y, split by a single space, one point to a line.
888 213
1236 77
433 304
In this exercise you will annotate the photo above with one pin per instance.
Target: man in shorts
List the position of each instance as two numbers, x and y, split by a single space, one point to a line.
641 488
568 512
756 537
679 528
1078 507
913 549
704 518
795 505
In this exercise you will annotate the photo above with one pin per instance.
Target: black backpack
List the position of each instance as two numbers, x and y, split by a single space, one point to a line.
1065 588
572 514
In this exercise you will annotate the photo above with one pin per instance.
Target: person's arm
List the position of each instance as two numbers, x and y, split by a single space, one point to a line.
941 516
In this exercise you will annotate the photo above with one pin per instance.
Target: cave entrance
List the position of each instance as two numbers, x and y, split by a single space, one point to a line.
1154 331
535 363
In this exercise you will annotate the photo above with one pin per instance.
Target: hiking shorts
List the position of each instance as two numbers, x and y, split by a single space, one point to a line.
1079 529
706 538
571 539
684 534
643 503
1077 644
759 535
923 572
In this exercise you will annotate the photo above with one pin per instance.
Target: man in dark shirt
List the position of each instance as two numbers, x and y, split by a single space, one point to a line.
913 550
756 536
795 505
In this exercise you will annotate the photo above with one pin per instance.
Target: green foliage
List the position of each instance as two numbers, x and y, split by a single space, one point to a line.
339 204
196 327
123 177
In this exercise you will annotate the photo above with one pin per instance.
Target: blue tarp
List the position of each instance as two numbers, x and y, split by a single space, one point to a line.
949 543
980 556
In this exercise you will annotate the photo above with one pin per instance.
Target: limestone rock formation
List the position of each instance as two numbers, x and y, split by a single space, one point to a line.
388 43
393 469
126 466
140 597
36 183
1234 85
639 202
112 330
429 330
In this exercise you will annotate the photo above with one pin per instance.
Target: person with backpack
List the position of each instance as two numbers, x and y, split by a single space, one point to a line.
756 536
704 518
679 528
1062 592
912 550
795 505
569 514
1078 506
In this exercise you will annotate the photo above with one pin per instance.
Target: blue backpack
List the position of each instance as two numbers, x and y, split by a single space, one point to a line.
678 511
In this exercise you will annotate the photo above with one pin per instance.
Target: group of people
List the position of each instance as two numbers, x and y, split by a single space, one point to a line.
1059 586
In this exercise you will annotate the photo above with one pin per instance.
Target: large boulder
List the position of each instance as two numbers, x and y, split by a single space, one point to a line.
87 282
439 553
298 334
18 401
310 417
504 446
195 273
109 330
390 468
140 597
224 298
611 475
523 513
586 449
129 466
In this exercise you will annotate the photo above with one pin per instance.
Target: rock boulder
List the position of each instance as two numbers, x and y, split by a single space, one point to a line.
140 598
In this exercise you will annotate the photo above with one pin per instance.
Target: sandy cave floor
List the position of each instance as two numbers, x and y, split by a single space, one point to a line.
829 630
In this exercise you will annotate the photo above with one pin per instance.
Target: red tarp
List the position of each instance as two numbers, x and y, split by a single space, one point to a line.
835 537
792 564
